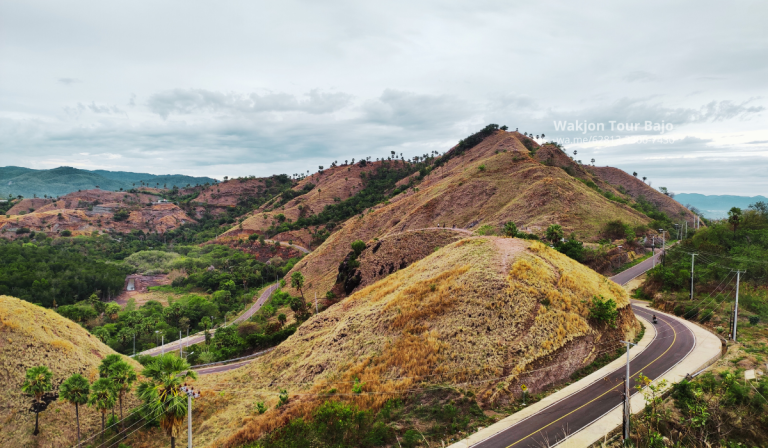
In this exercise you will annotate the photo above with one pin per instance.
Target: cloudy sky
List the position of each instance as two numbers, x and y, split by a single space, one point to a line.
254 88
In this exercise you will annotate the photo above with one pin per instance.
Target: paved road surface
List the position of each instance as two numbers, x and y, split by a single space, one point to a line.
623 278
174 346
672 343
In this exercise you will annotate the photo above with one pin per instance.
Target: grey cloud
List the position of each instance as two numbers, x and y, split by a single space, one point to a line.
184 102
412 110
80 108
640 75
757 142
68 81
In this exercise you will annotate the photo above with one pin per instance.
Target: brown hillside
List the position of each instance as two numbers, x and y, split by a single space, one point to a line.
636 187
511 186
333 185
27 206
30 336
227 193
390 254
471 314
93 210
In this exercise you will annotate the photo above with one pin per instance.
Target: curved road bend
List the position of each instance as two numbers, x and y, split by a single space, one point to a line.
639 269
173 346
672 343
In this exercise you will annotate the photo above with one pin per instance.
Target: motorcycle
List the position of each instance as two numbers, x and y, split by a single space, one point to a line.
654 319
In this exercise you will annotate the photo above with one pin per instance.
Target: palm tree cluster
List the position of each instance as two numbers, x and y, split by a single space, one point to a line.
116 380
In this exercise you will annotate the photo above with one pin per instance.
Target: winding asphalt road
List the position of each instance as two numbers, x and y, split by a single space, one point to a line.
174 346
671 344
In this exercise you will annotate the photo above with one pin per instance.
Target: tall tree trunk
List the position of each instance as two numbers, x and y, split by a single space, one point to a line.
103 415
173 442
37 431
77 418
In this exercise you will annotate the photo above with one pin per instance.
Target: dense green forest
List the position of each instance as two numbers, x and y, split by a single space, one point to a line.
47 273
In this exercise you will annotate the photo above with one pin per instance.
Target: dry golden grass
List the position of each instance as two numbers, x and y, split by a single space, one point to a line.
513 187
469 316
31 336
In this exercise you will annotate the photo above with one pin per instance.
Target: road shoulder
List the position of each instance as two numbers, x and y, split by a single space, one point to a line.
501 425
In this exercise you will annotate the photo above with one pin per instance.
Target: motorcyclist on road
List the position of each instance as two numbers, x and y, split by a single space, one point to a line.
654 318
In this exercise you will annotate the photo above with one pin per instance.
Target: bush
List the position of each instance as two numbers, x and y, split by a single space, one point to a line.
554 232
754 320
121 215
510 229
358 246
65 233
486 229
603 311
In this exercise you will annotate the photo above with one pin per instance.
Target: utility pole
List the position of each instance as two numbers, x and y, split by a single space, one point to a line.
191 393
181 347
663 246
627 412
736 305
653 250
692 257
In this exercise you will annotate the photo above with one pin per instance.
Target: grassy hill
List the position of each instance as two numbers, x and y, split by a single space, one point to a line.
30 336
476 319
484 187
62 180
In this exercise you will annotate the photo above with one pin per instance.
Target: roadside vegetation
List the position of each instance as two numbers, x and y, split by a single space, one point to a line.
721 407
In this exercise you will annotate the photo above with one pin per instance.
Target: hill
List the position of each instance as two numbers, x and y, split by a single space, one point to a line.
717 206
637 188
84 212
30 336
479 317
492 183
310 196
62 180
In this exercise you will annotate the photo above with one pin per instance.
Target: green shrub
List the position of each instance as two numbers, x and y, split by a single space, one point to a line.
603 311
754 320
510 229
486 229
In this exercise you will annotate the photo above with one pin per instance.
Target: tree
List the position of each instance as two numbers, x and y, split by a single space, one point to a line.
297 282
510 229
358 246
112 310
282 318
593 161
36 383
634 173
734 218
75 390
554 233
122 376
162 392
644 178
103 399
106 364
97 304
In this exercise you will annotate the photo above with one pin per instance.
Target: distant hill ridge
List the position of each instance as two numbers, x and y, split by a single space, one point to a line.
717 206
59 181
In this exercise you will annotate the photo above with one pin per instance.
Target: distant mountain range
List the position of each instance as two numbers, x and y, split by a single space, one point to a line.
716 207
59 181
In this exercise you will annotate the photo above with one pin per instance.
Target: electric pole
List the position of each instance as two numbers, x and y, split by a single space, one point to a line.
653 250
692 257
627 412
181 347
736 305
191 393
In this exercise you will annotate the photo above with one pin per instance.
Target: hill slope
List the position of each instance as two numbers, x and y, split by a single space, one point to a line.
483 315
87 211
30 336
636 187
492 183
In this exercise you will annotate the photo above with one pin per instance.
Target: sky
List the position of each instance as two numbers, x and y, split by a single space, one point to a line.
239 88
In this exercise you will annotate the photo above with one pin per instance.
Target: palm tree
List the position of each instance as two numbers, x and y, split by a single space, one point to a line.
37 383
122 376
75 390
163 394
103 399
